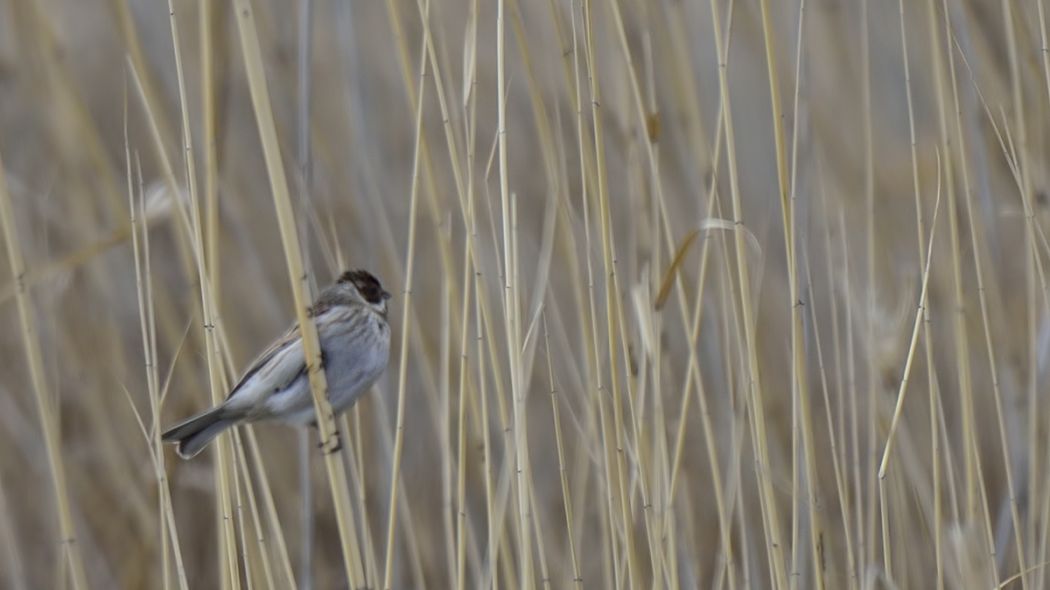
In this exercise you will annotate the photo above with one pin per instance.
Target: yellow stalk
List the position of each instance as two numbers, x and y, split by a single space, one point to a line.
49 423
399 432
767 501
300 283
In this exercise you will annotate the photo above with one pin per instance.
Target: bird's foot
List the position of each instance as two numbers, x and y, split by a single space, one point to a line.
334 444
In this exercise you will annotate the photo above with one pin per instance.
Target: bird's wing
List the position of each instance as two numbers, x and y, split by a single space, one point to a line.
278 365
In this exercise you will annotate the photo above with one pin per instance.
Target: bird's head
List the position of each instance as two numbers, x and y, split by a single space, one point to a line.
364 287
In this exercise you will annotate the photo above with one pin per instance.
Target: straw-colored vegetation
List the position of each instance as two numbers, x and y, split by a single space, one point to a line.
705 294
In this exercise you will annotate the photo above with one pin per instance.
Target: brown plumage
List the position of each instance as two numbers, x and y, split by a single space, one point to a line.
355 347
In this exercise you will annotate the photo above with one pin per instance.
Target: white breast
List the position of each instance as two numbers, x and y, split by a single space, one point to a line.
356 345
355 359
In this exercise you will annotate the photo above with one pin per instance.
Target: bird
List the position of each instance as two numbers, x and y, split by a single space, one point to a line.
351 320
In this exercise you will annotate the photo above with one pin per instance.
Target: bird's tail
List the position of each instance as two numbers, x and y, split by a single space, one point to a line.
195 433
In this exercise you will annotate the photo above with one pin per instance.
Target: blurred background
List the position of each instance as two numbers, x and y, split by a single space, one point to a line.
738 293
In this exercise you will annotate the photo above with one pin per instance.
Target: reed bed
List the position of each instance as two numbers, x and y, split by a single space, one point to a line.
724 294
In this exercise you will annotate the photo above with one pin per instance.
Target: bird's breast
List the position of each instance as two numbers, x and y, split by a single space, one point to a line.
355 358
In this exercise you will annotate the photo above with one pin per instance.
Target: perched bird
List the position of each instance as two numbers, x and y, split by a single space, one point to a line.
355 347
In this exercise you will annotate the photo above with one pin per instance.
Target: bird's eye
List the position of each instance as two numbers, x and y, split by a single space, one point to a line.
370 293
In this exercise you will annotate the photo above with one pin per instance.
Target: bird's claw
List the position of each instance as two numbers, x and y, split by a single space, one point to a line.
334 444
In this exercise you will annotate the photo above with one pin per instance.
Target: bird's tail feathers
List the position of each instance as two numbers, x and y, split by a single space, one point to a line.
194 434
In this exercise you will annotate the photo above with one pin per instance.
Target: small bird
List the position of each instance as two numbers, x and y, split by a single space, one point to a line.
355 347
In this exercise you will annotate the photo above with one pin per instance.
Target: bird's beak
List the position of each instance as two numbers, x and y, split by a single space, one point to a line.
386 295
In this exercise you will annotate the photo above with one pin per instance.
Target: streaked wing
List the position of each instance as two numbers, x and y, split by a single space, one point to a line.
275 385
279 364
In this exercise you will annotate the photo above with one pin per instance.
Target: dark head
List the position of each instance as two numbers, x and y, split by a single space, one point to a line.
368 288
354 287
